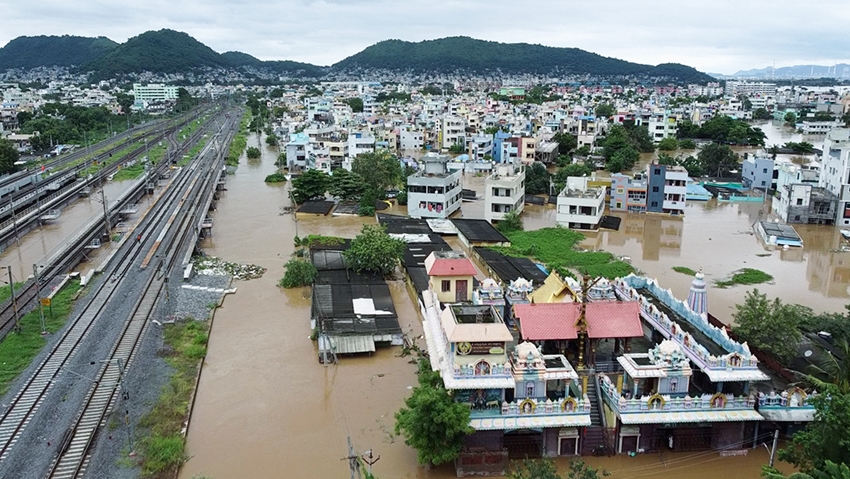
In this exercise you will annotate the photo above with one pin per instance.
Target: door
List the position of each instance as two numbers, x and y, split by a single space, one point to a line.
460 290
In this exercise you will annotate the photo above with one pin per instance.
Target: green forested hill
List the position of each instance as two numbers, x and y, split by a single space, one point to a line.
469 54
65 50
163 51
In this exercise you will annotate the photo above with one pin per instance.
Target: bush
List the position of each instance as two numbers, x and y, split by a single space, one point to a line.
512 222
253 152
275 178
668 144
687 144
298 273
402 198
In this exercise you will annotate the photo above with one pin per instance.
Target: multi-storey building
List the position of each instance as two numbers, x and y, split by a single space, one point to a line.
504 191
757 172
433 191
667 187
154 92
736 88
835 172
580 206
298 151
452 130
360 142
663 125
628 193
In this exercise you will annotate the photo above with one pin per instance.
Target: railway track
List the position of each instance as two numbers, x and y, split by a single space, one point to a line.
24 405
26 294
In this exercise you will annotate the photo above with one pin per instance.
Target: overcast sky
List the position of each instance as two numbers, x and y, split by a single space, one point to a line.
721 36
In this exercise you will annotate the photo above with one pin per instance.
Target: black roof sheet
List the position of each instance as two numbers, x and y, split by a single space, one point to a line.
317 207
415 253
610 222
333 306
535 200
479 230
347 276
403 225
509 268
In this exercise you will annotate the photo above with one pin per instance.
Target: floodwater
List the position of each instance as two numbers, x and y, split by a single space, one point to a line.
43 240
266 408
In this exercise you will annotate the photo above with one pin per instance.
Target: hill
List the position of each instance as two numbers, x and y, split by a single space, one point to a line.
163 51
63 51
295 69
471 55
841 70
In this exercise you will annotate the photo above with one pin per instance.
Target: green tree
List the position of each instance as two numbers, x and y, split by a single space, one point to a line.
584 150
693 166
511 222
566 142
545 469
253 152
668 144
457 148
622 159
718 160
298 273
537 179
687 144
311 184
761 114
8 156
665 159
573 169
276 93
346 186
367 203
431 421
185 100
791 118
374 250
833 372
768 325
802 147
355 103
125 101
381 170
271 140
605 110
825 438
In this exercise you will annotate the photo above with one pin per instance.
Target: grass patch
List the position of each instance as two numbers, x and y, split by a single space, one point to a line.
130 172
555 247
745 276
684 270
193 152
240 140
763 255
6 291
162 447
19 348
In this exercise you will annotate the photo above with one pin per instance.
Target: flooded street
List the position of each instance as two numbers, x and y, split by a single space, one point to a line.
266 408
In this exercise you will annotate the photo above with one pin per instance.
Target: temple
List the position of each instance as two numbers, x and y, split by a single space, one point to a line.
597 366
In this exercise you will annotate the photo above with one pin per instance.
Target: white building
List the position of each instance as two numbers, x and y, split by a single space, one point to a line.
675 190
410 140
504 191
154 92
452 129
735 88
433 191
580 206
360 142
663 125
835 171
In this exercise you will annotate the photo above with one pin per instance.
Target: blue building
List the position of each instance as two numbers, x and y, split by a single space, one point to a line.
757 172
498 138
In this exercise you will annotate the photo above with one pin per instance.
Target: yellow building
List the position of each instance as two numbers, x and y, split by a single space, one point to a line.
450 276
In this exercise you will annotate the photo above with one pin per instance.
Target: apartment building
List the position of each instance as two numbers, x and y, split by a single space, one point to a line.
835 171
360 142
663 125
452 130
298 151
736 88
410 140
154 92
433 191
666 189
504 191
580 206
757 172
627 193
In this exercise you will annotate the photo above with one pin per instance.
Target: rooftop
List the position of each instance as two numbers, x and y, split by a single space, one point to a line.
449 263
478 231
605 319
464 331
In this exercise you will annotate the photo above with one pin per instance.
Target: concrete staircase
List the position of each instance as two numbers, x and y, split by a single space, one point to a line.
594 435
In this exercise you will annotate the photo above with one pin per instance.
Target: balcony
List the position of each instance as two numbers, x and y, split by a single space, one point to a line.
530 413
664 409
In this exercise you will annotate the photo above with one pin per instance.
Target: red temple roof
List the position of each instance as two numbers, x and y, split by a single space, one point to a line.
556 321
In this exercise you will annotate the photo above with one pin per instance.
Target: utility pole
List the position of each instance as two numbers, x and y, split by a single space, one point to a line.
773 448
105 210
38 295
368 459
14 299
353 461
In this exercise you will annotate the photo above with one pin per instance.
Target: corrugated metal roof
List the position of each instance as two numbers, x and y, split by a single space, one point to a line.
711 415
531 421
352 344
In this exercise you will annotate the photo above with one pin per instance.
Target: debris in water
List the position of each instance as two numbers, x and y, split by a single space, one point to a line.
212 265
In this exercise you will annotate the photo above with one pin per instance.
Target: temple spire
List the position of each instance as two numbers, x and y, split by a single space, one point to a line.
697 297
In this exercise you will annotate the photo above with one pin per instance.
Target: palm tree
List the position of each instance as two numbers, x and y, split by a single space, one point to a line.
836 372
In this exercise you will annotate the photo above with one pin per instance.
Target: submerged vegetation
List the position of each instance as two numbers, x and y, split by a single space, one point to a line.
684 270
745 276
555 247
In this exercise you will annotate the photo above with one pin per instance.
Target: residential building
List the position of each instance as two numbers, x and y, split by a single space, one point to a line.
757 172
504 191
450 275
433 191
298 151
805 203
547 152
627 193
580 206
452 130
737 88
145 94
410 140
360 142
835 172
663 125
667 188
817 127
480 146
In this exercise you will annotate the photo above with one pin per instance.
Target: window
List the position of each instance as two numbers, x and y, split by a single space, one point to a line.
799 201
764 170
446 286
658 171
529 389
655 189
654 204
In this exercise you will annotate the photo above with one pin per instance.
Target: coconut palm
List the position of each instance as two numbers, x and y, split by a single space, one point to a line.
835 371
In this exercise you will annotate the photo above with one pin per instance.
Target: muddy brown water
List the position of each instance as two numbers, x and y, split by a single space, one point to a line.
47 238
267 409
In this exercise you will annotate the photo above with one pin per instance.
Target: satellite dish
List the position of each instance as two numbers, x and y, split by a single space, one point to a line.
808 353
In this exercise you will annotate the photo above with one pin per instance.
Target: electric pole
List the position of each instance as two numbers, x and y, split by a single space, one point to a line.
14 299
353 461
38 295
105 210
773 448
